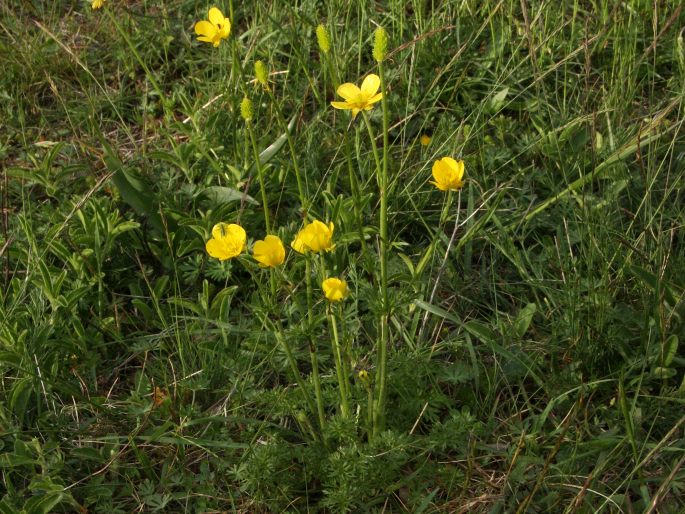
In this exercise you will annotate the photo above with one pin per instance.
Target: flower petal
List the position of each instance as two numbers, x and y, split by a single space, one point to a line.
216 17
349 92
374 99
298 243
237 233
218 249
204 28
341 105
370 85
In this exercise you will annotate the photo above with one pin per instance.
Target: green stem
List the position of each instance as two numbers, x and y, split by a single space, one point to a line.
312 347
354 189
379 411
374 148
293 366
342 379
293 155
260 173
136 54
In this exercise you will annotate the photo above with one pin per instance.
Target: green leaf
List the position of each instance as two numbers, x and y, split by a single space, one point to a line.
663 372
524 318
669 350
43 504
218 195
267 154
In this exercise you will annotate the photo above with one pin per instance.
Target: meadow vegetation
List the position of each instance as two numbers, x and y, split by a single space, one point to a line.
408 256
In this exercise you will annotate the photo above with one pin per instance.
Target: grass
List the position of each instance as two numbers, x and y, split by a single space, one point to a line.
533 319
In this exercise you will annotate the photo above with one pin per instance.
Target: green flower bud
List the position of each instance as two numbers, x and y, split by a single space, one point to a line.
261 74
323 38
380 44
246 110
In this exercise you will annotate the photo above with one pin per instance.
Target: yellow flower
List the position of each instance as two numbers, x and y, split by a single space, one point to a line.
359 99
315 237
96 4
425 139
334 289
214 30
448 174
270 252
227 241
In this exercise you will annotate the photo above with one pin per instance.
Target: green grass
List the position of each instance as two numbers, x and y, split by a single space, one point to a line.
543 375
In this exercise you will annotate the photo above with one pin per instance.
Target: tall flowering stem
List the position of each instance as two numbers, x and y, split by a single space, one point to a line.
379 51
339 367
312 346
247 112
304 202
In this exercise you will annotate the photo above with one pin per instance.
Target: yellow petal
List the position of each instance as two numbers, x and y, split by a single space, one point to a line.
349 92
334 289
298 244
204 28
237 233
355 111
341 105
218 250
374 98
370 85
216 17
225 29
440 186
269 252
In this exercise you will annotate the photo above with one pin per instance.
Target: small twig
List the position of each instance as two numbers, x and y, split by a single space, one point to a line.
416 423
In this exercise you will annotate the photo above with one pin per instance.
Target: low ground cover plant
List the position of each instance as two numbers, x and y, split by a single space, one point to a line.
342 257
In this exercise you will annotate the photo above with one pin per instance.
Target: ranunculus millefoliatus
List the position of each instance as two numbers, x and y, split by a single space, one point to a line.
358 99
213 30
228 241
314 237
269 252
97 4
334 289
448 174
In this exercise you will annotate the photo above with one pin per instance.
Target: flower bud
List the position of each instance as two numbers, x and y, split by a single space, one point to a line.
323 38
380 44
246 110
261 74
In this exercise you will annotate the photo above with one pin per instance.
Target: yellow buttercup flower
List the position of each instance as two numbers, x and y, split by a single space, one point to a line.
425 139
358 99
213 30
96 4
315 237
448 174
228 241
270 252
334 289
